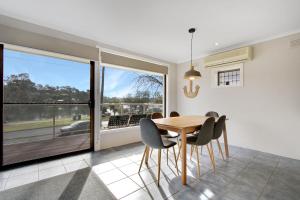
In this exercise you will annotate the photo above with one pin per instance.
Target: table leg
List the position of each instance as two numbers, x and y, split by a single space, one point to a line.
183 156
147 155
225 141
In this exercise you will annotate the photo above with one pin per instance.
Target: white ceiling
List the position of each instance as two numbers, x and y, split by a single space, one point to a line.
159 28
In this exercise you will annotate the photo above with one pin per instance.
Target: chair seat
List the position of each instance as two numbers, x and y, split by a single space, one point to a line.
191 139
169 143
171 134
163 132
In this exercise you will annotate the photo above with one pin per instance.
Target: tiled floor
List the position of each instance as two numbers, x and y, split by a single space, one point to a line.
112 174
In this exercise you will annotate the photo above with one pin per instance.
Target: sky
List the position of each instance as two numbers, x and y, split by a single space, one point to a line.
58 72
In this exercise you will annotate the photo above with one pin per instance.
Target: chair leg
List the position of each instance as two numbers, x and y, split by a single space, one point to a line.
220 149
211 158
212 153
178 153
167 156
151 152
143 158
175 160
192 148
201 150
158 173
198 162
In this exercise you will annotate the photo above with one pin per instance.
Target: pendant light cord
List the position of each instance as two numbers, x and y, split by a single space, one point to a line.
192 50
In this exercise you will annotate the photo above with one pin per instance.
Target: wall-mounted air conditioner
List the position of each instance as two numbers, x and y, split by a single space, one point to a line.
228 57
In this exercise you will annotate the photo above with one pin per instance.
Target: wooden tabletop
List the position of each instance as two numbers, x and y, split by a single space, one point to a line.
182 122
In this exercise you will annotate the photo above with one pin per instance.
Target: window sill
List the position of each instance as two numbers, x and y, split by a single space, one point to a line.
117 130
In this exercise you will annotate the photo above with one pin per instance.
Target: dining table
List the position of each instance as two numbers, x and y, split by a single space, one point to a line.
185 125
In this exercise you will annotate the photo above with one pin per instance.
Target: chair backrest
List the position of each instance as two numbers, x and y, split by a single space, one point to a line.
219 125
205 134
156 115
212 114
150 134
118 121
135 119
174 114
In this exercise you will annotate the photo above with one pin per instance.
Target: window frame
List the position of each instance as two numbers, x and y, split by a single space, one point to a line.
232 67
101 92
90 103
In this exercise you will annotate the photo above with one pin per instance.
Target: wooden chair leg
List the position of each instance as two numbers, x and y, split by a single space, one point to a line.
211 158
179 146
198 162
192 148
212 153
220 149
143 158
175 160
167 156
151 152
158 173
178 152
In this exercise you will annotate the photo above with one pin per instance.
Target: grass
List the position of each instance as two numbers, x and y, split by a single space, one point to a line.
28 125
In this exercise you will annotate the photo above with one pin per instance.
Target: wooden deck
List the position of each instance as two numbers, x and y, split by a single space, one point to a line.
16 153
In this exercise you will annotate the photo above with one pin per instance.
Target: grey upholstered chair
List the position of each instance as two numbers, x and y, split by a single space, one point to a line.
158 115
212 114
219 126
203 138
164 133
174 114
151 137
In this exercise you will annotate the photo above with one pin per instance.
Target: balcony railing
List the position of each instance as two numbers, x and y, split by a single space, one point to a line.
117 115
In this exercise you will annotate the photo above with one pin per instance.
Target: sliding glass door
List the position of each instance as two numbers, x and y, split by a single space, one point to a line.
47 106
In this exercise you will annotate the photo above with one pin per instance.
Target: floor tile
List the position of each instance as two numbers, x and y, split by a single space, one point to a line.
131 169
276 190
50 164
2 183
103 167
21 180
164 190
144 178
51 172
73 166
24 170
72 159
138 195
5 174
111 176
121 162
123 188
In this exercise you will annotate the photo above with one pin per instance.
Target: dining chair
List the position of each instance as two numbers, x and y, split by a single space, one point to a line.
203 138
218 129
212 114
152 138
164 133
174 114
208 114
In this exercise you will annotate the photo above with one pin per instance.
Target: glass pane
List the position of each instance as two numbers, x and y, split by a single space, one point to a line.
129 96
45 109
36 131
30 78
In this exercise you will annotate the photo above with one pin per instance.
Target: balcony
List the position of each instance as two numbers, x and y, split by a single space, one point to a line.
118 115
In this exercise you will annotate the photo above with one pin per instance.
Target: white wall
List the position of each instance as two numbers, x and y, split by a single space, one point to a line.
264 114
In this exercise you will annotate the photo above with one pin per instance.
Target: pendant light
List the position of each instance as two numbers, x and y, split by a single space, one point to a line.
192 74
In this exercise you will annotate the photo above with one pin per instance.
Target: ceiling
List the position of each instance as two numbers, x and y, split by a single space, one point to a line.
159 28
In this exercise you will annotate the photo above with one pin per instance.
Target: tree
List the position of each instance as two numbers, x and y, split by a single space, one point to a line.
149 82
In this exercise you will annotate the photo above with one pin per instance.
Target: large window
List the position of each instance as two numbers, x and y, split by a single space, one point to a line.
46 108
128 96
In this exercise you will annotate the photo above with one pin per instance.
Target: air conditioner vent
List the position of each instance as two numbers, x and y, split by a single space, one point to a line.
233 56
